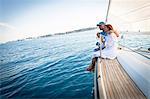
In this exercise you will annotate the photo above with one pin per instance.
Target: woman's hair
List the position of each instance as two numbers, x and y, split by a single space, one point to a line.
109 27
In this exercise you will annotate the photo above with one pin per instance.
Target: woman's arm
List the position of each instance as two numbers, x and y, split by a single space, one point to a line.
110 41
117 33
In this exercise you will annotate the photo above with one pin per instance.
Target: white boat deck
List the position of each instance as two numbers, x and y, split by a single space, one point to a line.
137 67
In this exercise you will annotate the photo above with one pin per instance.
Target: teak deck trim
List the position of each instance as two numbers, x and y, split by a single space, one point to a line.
115 83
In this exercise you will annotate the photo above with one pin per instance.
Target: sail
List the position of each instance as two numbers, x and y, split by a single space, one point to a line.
130 15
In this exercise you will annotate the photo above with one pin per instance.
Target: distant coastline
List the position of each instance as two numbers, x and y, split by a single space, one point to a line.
49 35
76 31
68 32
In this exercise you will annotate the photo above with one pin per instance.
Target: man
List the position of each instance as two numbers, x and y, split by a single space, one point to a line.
103 34
101 26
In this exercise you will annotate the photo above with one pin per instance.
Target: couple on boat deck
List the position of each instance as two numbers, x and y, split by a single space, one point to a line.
107 40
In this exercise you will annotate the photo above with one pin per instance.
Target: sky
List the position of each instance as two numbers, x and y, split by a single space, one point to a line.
31 18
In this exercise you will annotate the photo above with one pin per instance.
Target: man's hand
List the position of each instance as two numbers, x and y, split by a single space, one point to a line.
98 34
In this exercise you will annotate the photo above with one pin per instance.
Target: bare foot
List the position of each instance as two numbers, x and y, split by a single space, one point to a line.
90 68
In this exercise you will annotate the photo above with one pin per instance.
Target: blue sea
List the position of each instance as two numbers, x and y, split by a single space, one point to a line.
52 67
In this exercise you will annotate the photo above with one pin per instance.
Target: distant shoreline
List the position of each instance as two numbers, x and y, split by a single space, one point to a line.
49 35
74 31
68 32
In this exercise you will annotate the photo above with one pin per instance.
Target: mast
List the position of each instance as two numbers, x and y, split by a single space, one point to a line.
109 2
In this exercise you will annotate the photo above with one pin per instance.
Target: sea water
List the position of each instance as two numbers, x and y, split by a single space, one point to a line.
51 67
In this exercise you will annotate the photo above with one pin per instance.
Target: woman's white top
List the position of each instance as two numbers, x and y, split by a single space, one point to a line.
111 47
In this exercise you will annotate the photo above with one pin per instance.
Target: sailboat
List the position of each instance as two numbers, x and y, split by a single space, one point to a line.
127 76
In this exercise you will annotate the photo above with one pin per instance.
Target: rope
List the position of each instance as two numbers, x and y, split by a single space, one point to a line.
134 51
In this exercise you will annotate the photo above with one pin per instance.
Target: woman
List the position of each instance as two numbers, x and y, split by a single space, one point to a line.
110 50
